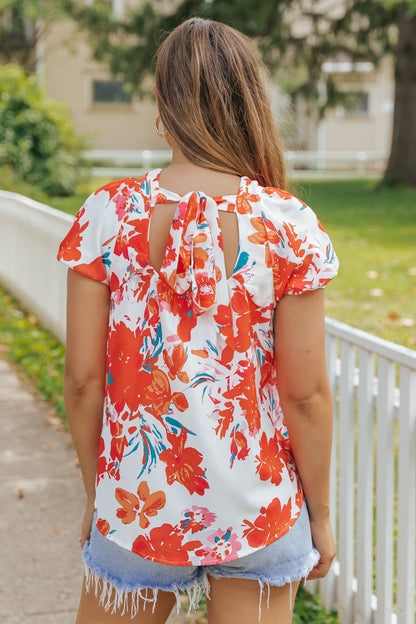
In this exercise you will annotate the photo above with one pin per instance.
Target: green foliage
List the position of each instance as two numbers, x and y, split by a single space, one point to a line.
411 5
22 23
295 37
37 141
38 354
309 610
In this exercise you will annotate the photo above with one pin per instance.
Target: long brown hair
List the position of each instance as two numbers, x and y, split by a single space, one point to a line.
213 102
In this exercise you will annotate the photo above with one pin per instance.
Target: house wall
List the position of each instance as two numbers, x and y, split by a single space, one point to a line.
366 131
68 72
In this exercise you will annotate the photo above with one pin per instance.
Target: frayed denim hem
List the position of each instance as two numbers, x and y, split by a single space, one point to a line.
114 594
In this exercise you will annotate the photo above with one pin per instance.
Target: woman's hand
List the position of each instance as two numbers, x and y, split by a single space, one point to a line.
323 540
87 523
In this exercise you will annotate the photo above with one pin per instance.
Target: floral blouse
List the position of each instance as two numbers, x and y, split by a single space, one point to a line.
195 464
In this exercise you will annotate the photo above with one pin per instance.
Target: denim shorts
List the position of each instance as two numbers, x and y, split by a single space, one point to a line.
116 573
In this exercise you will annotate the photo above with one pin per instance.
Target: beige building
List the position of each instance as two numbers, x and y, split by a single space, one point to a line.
98 105
364 122
111 121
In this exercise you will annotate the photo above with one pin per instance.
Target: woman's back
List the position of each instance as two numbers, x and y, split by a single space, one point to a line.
182 179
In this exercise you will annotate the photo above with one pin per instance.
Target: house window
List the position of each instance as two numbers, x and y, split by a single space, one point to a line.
356 104
109 92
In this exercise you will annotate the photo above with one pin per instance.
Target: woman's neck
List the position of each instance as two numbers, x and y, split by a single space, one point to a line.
178 157
182 176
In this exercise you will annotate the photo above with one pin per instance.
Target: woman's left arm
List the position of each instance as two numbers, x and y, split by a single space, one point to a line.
84 381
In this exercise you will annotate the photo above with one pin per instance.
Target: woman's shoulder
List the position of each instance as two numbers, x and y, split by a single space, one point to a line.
122 187
276 204
125 196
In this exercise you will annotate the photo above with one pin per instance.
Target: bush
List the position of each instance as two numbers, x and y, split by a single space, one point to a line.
37 140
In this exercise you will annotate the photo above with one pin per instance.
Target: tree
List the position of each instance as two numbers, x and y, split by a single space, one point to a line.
295 36
22 25
401 167
37 142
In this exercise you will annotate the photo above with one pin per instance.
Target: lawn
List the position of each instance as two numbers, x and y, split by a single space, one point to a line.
374 235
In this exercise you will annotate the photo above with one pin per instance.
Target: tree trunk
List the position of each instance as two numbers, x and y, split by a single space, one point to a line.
401 168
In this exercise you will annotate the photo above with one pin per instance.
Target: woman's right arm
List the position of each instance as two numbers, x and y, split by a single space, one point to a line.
87 325
306 402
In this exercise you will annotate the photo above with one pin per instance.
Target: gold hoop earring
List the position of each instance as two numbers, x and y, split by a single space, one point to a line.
159 132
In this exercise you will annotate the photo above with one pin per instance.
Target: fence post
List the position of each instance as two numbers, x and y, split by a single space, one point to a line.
385 489
346 484
406 503
365 485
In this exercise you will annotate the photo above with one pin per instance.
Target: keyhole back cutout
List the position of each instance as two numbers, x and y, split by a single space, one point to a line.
160 224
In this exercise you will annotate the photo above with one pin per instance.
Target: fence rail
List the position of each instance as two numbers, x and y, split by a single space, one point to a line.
299 162
373 470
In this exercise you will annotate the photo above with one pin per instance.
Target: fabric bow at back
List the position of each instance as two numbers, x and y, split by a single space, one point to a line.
194 259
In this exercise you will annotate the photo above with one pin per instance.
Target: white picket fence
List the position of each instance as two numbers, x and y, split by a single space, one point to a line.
373 478
374 388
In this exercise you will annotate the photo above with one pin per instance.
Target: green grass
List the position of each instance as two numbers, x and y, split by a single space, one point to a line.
37 353
374 235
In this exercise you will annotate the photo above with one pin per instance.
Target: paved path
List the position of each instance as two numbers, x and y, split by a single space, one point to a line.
41 503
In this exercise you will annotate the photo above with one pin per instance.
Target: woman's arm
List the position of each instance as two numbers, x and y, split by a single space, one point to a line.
86 339
306 401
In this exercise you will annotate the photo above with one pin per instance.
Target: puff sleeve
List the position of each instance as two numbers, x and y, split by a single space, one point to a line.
302 255
88 245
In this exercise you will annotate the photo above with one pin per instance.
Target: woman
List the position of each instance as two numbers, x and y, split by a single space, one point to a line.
196 385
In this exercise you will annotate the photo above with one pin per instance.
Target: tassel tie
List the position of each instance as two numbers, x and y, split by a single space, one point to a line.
194 260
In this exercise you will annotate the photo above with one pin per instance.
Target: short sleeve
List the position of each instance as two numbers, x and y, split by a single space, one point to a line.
87 246
303 257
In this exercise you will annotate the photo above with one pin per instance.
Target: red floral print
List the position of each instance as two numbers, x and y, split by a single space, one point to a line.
166 545
183 464
271 459
239 446
69 249
273 521
176 362
103 526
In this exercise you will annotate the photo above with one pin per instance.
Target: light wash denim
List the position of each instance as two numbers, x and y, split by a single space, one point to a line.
121 572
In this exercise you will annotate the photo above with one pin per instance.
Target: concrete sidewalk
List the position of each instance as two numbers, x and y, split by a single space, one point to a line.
41 506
